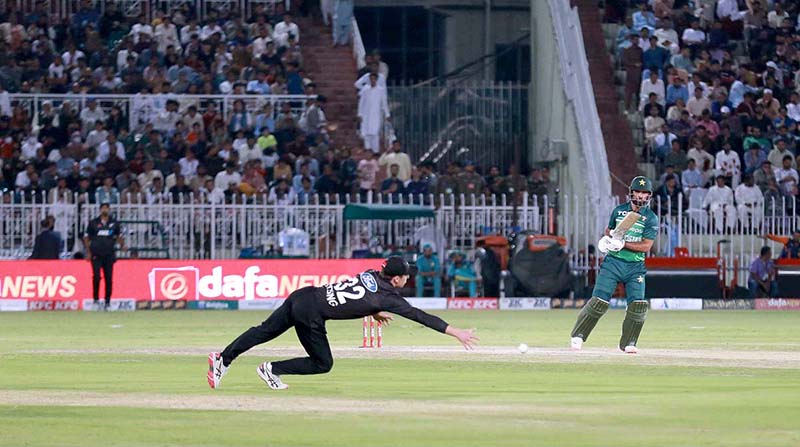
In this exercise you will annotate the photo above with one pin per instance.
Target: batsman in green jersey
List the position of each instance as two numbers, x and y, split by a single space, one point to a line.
624 262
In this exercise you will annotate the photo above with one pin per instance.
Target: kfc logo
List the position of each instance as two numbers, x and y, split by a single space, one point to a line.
472 303
53 305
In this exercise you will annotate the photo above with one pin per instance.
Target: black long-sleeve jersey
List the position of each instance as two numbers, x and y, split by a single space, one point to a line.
364 295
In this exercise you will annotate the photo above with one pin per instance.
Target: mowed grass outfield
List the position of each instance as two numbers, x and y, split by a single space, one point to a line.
703 378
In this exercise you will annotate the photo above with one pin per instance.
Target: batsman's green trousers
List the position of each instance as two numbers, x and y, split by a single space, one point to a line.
614 271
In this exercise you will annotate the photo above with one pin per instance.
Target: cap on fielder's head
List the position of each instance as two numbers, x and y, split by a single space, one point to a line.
397 266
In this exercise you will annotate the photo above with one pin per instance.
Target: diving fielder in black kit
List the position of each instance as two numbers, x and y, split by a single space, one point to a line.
307 309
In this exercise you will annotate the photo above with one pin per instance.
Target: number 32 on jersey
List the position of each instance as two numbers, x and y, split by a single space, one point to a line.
350 289
340 292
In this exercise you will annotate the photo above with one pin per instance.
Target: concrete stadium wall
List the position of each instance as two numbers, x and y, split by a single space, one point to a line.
464 35
554 133
551 117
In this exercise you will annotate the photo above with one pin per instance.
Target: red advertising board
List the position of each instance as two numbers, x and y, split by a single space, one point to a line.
777 304
173 279
472 303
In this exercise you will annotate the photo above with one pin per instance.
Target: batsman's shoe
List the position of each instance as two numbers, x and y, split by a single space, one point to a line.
576 343
216 369
631 349
264 371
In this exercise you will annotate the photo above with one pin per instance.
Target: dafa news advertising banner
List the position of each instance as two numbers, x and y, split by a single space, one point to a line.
65 285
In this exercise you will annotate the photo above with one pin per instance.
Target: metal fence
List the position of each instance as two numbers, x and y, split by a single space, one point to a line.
733 233
142 109
484 122
134 8
205 230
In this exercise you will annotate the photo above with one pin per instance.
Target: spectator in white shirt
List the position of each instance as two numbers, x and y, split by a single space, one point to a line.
71 56
165 120
23 179
284 29
259 45
122 55
729 165
29 148
210 29
793 107
692 177
149 174
729 9
212 194
250 150
749 203
694 36
697 82
698 103
156 192
779 152
111 145
776 16
97 136
281 194
189 165
224 178
719 202
700 155
189 30
166 34
652 85
91 114
787 177
142 27
57 72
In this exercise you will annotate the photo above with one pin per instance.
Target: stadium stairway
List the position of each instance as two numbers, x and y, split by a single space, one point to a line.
616 131
334 72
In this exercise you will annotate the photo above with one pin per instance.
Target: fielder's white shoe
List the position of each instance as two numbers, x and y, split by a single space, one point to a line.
576 343
216 369
631 349
264 371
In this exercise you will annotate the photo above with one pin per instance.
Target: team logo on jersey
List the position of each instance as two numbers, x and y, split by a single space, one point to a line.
369 282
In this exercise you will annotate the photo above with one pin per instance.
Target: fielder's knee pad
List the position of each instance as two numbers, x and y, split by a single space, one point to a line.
634 321
588 317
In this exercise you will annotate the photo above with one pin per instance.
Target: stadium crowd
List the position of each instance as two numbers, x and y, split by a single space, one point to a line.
167 145
717 83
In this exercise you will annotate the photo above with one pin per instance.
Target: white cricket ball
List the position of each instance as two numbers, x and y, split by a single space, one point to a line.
523 348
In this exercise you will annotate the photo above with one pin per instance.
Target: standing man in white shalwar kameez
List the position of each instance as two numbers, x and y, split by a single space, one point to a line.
373 111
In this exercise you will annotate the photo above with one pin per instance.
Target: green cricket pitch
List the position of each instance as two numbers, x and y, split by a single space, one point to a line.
707 378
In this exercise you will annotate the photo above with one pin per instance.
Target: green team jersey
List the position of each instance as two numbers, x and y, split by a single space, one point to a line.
644 228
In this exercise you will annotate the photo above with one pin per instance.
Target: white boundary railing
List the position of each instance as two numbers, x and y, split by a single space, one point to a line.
140 108
205 230
217 231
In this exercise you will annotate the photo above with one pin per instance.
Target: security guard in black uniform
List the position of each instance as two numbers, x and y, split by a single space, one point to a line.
99 239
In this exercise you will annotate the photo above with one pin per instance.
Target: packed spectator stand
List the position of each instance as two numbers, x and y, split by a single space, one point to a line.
179 109
712 90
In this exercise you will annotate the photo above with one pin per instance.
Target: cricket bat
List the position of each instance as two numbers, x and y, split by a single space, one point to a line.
625 225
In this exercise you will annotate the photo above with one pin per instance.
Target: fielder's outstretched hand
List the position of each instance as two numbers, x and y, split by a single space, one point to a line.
383 317
467 337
